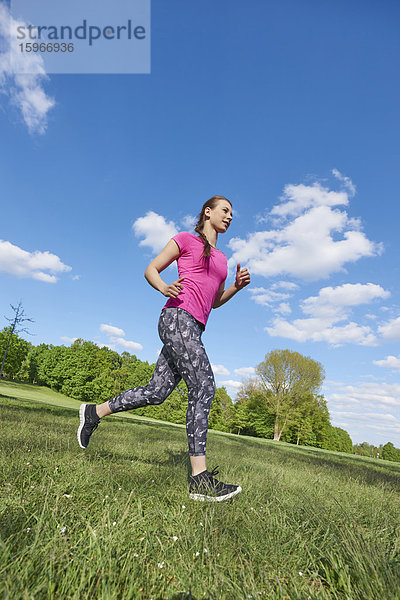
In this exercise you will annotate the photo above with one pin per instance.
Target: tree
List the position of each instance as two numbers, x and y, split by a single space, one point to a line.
302 421
389 452
121 375
344 441
309 423
15 328
222 410
291 377
49 364
241 418
252 415
366 449
339 440
17 352
29 367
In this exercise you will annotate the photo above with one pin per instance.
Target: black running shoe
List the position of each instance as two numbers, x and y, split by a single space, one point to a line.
89 421
204 486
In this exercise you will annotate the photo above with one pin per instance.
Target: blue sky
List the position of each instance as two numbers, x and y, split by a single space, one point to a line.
290 109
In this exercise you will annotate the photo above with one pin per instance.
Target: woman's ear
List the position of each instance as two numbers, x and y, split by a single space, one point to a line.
207 211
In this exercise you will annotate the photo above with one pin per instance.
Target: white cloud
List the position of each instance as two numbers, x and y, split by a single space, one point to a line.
391 362
102 345
333 302
286 285
283 308
390 331
117 336
319 330
267 297
21 263
296 198
368 406
330 382
332 305
68 340
44 277
244 371
349 185
219 369
189 222
231 383
374 395
387 418
76 277
127 344
155 230
313 239
22 75
111 330
386 425
390 433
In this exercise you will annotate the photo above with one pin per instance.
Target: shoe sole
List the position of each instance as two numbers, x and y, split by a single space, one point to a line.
82 422
203 498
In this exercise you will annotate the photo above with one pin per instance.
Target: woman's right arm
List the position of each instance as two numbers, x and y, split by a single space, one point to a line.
158 264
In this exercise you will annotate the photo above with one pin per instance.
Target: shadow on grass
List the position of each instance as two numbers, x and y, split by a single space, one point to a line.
13 522
29 407
6 397
41 408
172 459
372 474
180 596
47 416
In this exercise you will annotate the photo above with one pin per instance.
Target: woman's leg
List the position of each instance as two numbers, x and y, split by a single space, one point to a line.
181 335
163 381
198 464
165 378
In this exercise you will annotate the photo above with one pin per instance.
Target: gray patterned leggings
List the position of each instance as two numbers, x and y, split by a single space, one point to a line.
183 356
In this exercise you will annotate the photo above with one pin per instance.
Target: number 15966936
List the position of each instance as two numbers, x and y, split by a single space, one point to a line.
49 47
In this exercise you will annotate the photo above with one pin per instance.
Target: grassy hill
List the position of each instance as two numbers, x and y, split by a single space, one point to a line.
115 521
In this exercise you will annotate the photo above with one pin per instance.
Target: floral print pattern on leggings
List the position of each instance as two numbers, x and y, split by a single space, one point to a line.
182 356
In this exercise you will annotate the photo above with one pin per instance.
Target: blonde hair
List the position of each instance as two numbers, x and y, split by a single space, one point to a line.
211 203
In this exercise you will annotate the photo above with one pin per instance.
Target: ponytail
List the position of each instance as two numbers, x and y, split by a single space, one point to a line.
211 203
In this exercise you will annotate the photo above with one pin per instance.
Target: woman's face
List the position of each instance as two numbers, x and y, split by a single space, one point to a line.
220 216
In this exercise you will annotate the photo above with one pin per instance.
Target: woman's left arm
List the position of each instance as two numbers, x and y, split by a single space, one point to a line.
241 280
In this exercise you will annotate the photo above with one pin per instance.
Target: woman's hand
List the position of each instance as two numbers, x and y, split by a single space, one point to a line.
174 289
242 277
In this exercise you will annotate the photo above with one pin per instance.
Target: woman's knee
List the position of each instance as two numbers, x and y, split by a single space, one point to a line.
156 396
155 400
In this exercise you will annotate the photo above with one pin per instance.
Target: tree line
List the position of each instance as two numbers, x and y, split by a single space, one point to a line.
387 451
281 402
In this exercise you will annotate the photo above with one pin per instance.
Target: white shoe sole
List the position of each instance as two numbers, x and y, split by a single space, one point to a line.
82 422
204 498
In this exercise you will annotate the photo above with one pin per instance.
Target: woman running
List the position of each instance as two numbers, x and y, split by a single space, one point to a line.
201 286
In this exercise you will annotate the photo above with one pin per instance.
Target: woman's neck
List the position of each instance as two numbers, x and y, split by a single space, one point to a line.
210 234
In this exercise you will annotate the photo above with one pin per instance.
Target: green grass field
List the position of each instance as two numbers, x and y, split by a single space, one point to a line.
115 521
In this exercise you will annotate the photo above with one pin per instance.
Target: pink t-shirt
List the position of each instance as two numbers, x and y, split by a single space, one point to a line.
203 276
